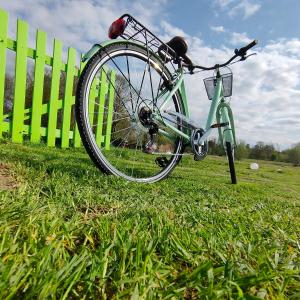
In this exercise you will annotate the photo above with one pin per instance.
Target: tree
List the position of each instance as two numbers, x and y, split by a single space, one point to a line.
242 150
263 151
8 93
293 155
215 148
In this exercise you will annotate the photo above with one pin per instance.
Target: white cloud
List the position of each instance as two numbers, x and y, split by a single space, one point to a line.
171 31
223 3
78 23
217 29
266 89
238 39
246 8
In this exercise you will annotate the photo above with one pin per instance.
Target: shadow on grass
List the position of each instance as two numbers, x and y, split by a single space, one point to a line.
76 163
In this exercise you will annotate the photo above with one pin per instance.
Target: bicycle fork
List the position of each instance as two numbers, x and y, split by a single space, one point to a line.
226 133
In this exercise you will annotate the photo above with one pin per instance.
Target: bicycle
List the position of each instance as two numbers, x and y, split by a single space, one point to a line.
140 128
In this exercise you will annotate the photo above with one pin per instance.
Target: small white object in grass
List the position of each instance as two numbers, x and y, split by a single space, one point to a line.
279 170
254 166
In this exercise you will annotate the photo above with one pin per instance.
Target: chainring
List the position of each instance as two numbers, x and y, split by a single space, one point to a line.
200 151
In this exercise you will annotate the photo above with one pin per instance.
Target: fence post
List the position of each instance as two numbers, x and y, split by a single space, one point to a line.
76 136
68 99
20 82
3 42
54 93
37 101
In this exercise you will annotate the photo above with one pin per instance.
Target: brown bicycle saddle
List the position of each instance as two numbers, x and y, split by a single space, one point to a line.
179 45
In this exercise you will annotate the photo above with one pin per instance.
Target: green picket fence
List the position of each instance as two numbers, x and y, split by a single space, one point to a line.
13 124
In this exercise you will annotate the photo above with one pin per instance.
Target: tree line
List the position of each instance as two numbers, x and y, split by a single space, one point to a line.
260 151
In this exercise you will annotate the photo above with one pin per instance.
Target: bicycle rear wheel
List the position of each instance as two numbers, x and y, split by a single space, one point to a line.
117 128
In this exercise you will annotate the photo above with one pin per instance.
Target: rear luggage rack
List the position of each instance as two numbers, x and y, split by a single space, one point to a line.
135 31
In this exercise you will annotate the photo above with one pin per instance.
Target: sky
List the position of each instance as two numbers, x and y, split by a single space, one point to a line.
266 88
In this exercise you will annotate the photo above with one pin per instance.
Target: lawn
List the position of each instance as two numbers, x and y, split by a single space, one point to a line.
69 232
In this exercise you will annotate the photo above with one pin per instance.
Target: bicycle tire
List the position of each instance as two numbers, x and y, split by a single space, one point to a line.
230 157
86 133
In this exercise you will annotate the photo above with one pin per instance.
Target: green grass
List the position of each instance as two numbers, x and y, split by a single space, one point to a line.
70 232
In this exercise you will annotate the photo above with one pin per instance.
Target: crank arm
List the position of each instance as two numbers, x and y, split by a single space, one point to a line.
205 136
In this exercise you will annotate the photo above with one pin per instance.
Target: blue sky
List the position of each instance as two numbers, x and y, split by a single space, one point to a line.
267 19
266 90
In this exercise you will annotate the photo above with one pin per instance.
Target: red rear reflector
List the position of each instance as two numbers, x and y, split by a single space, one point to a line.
116 28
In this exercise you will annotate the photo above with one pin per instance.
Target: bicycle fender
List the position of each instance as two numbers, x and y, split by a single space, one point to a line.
87 56
231 121
96 47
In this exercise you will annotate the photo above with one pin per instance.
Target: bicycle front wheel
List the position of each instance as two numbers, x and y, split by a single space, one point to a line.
117 94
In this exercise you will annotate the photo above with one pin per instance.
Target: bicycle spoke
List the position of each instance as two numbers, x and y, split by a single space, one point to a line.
113 121
123 75
134 159
117 93
128 72
142 82
120 120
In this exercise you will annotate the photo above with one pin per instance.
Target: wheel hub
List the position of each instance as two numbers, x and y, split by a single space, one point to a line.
144 115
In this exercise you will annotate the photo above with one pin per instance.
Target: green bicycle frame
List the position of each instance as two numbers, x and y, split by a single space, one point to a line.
219 111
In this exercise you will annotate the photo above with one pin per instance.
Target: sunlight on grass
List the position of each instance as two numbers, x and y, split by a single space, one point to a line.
67 231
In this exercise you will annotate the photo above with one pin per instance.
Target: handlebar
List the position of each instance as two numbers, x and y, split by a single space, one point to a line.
242 52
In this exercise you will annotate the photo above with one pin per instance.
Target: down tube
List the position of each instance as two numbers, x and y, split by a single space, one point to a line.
172 92
184 99
180 86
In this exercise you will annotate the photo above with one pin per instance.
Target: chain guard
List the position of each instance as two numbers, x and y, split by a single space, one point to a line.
200 151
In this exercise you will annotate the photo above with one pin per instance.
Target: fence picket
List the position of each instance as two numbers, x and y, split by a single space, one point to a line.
37 100
3 45
20 82
16 122
54 93
76 138
102 94
92 98
69 98
111 98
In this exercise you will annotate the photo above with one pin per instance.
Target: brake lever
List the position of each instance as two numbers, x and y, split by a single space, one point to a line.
191 69
245 57
251 55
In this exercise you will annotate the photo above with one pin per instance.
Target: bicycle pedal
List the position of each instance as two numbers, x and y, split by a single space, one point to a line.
199 157
218 125
150 148
162 161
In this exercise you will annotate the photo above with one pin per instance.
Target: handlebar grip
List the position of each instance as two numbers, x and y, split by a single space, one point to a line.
252 44
243 50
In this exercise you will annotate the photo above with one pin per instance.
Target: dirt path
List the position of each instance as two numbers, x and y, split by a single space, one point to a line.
7 182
